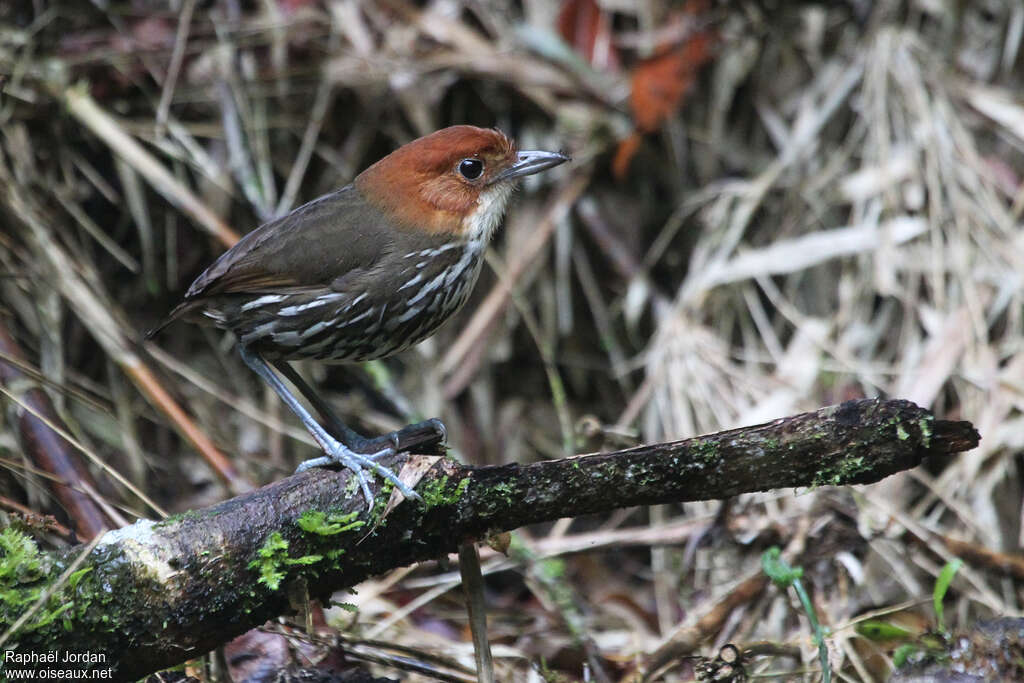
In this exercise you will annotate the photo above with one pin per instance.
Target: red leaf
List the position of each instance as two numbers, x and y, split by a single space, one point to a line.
661 82
624 155
584 26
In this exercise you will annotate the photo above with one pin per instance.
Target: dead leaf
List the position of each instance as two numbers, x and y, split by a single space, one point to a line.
659 88
410 475
500 542
585 26
624 154
661 82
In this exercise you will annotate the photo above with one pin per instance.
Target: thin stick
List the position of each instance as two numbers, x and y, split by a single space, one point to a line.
180 40
473 585
84 108
324 95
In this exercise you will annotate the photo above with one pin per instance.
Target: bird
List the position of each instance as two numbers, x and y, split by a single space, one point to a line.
364 272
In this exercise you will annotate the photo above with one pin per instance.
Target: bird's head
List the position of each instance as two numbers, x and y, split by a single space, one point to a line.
455 182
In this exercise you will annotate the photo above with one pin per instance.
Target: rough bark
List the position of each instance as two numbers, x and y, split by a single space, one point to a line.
159 593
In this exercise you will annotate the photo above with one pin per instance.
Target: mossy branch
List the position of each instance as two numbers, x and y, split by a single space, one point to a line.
159 593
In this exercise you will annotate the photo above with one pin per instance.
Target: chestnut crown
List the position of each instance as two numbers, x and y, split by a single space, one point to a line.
452 180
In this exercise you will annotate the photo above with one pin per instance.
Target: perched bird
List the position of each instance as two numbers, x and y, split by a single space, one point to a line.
365 271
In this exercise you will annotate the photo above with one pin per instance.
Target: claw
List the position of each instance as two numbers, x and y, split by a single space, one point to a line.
439 428
337 453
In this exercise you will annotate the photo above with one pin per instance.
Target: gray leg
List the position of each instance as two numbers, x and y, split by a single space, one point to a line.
336 452
346 434
342 431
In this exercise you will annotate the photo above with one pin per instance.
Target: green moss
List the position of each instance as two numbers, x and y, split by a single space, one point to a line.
180 517
272 561
20 559
76 577
269 560
352 487
322 525
925 425
380 503
328 523
435 491
503 492
705 450
901 433
844 472
24 576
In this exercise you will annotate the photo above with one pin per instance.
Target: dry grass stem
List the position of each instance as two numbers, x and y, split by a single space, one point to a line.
768 211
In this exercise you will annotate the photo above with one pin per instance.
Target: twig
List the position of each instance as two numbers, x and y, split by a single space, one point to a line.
45 443
473 587
85 109
95 311
322 102
46 448
194 579
174 68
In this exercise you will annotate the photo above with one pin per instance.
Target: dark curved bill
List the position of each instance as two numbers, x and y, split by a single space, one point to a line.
530 162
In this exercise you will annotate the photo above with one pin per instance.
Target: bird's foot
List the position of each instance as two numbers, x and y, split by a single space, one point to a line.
337 453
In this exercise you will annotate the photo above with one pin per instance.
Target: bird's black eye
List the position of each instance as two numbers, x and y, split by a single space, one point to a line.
471 169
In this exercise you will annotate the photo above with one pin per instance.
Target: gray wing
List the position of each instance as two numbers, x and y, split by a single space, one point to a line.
337 242
329 239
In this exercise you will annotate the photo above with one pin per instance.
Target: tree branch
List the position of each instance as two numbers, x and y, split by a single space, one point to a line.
159 593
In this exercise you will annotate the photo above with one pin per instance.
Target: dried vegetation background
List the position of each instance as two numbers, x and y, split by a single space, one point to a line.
772 207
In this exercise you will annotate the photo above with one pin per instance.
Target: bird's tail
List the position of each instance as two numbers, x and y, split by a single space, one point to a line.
178 311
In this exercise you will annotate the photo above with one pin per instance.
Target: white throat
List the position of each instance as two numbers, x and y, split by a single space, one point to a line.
486 216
